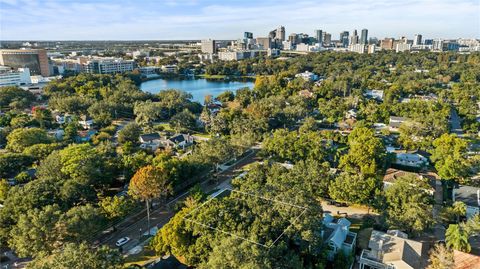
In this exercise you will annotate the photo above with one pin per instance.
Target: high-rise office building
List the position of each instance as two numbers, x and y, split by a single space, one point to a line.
319 36
248 35
35 60
209 46
264 42
417 40
344 38
387 43
280 33
354 38
327 38
364 37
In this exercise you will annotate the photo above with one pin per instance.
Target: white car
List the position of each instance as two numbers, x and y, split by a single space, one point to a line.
122 241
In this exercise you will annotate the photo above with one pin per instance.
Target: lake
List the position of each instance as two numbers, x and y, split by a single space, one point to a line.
199 88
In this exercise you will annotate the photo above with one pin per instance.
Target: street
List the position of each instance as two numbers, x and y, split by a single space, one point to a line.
136 229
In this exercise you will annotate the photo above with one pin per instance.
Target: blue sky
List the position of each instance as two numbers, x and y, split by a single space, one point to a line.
228 19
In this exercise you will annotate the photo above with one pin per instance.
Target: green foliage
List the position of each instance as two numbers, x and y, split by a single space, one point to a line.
4 188
12 163
409 205
366 153
441 258
342 260
80 256
15 98
129 133
457 238
184 121
33 236
41 151
449 156
354 188
19 139
116 207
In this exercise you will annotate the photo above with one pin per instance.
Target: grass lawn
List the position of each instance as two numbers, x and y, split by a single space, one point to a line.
363 237
166 126
356 224
145 256
203 135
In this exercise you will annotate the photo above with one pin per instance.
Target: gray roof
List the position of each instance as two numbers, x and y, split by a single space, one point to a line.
149 137
468 195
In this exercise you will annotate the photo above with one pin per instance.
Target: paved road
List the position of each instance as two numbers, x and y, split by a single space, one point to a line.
455 123
347 211
160 216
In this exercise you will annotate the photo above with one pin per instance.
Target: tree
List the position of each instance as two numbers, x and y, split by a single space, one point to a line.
441 258
4 187
366 152
43 116
456 237
342 260
409 205
130 133
12 163
116 206
213 151
79 223
80 256
34 233
449 156
225 97
149 183
15 97
41 151
354 188
147 112
184 121
19 139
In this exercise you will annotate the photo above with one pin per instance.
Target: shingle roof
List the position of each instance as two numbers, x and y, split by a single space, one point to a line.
149 137
469 195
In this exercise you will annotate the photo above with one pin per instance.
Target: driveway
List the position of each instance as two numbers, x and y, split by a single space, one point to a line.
356 212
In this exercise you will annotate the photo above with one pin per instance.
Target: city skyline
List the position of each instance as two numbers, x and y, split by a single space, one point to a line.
197 19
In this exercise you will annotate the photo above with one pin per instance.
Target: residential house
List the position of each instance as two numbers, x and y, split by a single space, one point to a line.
150 141
351 114
305 93
427 181
178 141
462 260
374 94
308 76
395 122
470 196
86 123
414 159
337 235
63 118
393 250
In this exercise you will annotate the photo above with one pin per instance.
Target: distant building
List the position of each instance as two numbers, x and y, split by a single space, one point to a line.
10 77
395 122
209 46
371 48
280 35
264 42
35 60
237 55
392 250
470 196
354 38
319 36
358 48
308 76
401 47
108 66
364 37
387 44
148 70
344 38
374 94
170 68
417 40
327 38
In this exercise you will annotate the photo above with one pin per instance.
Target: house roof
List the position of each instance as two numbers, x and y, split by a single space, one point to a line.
392 175
395 118
335 232
469 195
178 138
403 253
150 137
464 260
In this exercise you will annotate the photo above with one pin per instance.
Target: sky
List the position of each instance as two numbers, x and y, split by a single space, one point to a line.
228 19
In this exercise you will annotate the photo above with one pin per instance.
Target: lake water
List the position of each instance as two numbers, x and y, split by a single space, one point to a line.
199 88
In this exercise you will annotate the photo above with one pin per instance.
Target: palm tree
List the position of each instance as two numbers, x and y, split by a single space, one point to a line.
457 238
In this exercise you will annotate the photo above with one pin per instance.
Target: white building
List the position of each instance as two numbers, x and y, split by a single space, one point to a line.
108 66
171 68
209 46
10 77
237 55
358 48
401 47
374 94
337 235
308 76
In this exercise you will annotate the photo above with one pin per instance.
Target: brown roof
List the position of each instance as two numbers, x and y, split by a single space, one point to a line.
392 175
465 260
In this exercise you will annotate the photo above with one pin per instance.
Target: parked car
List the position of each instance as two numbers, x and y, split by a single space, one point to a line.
122 241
